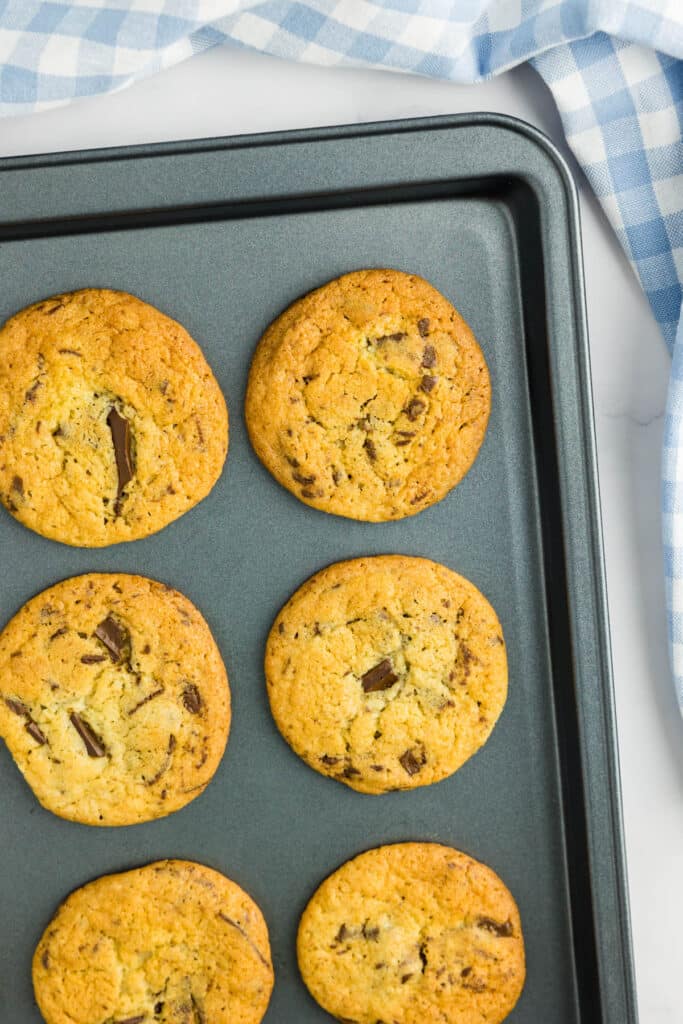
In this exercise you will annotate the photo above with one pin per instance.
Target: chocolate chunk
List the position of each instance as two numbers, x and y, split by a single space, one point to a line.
336 475
413 760
18 486
93 744
328 759
115 638
350 771
305 480
121 439
307 493
59 632
405 978
45 959
429 357
36 732
370 449
503 929
423 956
310 377
381 677
192 699
17 707
294 463
398 336
132 1020
419 497
414 407
428 384
423 327
377 767
343 934
465 971
70 352
93 659
371 934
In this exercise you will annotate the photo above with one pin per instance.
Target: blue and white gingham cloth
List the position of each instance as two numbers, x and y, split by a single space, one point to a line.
615 68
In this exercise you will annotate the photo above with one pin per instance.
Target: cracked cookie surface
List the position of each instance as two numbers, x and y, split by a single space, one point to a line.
416 933
114 700
369 397
112 424
386 672
173 942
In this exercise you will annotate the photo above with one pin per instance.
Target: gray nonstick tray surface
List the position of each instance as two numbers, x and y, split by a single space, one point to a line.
223 235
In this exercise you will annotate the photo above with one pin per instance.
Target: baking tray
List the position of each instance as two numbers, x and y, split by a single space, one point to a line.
222 235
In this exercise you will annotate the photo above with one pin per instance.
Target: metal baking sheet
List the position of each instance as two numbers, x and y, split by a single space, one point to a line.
222 235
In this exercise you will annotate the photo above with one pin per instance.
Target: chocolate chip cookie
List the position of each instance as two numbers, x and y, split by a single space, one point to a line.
369 397
170 943
386 672
112 424
114 700
416 933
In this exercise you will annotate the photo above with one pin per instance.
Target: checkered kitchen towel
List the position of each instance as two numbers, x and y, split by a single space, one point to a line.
615 68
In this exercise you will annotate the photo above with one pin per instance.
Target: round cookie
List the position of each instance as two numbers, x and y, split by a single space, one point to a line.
111 422
369 397
417 933
114 700
171 943
386 672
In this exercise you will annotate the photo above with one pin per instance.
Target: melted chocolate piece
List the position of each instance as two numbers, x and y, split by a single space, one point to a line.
328 759
429 357
115 638
343 934
371 934
503 929
18 486
381 677
93 659
414 407
428 384
234 924
370 449
121 439
192 699
423 326
145 700
305 480
93 744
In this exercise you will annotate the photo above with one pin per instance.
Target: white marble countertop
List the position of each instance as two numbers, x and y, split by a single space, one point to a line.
225 92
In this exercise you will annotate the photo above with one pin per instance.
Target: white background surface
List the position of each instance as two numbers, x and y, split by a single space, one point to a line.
225 92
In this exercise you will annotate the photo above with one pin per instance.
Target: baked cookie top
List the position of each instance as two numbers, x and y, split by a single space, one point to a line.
386 672
369 397
171 943
114 700
417 933
112 424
